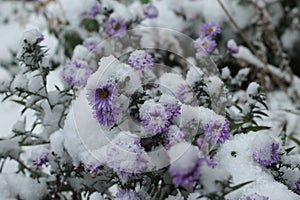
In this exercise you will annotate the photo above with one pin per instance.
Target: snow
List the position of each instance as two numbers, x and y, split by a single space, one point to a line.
19 186
243 168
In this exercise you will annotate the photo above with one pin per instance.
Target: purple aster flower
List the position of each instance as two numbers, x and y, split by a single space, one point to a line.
204 44
173 136
95 9
126 155
296 188
232 47
115 26
150 11
185 164
180 93
155 118
103 97
40 157
173 109
90 44
254 196
76 73
107 116
140 59
210 30
267 155
127 195
217 131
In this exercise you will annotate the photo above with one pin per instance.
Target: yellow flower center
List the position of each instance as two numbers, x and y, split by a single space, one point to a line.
103 94
210 29
116 26
205 44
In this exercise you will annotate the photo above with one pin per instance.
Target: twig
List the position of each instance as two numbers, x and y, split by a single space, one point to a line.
243 35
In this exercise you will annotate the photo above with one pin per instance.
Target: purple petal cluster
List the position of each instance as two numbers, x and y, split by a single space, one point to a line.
115 26
173 109
126 155
95 9
127 195
254 196
76 73
173 136
150 11
186 168
296 188
210 30
104 101
267 155
154 117
40 160
217 131
232 47
140 59
90 44
204 44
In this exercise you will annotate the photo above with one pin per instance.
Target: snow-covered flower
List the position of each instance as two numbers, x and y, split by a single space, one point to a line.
33 36
140 59
204 44
254 196
210 30
217 131
174 135
150 11
90 44
171 104
76 73
93 11
266 154
232 47
115 26
185 164
39 157
126 155
104 101
103 96
155 118
127 195
296 188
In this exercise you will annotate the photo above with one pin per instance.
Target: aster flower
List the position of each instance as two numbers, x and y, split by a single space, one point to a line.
296 188
39 157
140 59
76 73
95 9
254 196
90 44
103 97
155 118
115 26
173 136
210 30
266 155
150 11
107 116
125 154
204 44
217 131
171 104
127 195
185 164
232 47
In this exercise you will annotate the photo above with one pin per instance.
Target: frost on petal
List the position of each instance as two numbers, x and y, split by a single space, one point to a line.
184 164
265 150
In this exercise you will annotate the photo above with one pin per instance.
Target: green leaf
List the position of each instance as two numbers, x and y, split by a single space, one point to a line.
19 102
294 139
236 187
90 25
145 1
256 128
288 150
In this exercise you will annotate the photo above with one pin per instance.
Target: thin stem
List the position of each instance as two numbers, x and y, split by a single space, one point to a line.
243 35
